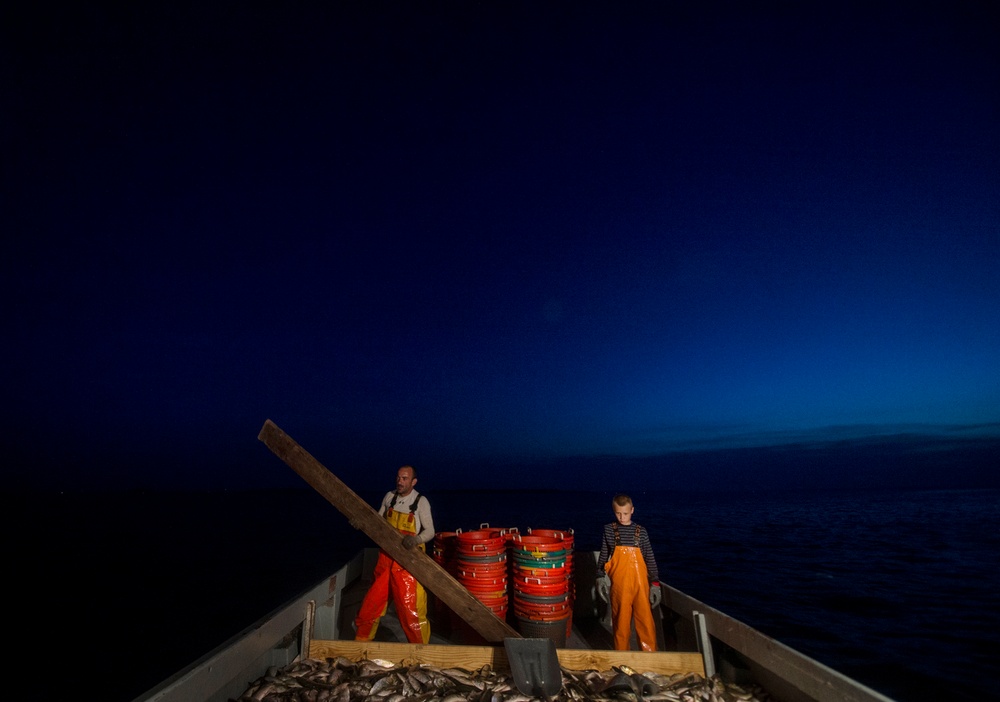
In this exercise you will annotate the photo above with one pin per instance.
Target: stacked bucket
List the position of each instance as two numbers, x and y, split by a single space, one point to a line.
480 564
566 537
541 563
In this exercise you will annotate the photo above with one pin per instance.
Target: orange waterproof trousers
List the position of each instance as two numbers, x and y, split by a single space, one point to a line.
408 596
630 598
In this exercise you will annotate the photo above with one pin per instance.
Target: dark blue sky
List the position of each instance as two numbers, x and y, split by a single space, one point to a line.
480 234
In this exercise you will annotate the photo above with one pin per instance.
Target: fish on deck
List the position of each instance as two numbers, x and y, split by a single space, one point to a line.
342 680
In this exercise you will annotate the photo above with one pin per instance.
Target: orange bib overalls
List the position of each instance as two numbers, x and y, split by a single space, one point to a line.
630 596
408 595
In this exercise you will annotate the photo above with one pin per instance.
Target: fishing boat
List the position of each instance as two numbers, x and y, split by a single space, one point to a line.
693 638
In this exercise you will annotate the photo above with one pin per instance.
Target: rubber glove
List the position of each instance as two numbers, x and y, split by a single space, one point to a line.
604 587
655 595
409 541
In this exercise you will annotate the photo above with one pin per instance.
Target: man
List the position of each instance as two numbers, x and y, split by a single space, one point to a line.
410 514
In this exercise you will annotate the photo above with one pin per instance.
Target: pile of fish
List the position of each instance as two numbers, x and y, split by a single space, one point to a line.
342 680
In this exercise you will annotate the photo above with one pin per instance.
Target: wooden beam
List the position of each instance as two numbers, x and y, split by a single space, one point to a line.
362 516
473 657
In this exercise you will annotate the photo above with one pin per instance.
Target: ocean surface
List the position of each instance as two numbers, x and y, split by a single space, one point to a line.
114 592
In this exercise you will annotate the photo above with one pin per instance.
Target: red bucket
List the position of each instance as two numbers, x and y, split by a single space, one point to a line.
533 572
443 547
523 561
484 560
528 598
528 584
480 542
481 581
565 536
481 570
534 544
539 612
445 540
561 579
491 538
489 594
538 589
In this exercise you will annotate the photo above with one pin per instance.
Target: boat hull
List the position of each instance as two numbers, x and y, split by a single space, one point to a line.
317 624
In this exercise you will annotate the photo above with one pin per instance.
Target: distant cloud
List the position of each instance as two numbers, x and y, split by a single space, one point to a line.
710 437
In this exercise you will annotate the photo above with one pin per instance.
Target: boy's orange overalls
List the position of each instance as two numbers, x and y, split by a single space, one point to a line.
630 595
408 595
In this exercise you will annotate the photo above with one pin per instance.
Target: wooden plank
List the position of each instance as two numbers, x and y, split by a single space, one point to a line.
468 657
475 657
662 662
362 516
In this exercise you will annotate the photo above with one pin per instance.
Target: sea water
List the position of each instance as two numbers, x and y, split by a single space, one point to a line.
898 590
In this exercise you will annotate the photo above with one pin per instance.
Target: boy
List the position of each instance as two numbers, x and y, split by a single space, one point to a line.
628 578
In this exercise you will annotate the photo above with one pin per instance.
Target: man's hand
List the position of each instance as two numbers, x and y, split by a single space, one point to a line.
604 587
655 595
409 541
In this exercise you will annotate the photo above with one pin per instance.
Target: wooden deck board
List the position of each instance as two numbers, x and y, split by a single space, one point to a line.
475 657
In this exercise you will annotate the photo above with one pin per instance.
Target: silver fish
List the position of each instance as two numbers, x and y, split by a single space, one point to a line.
342 680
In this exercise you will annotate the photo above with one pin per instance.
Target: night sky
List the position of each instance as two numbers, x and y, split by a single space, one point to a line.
501 241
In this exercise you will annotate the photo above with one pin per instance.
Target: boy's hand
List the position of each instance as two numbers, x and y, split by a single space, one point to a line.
655 595
604 587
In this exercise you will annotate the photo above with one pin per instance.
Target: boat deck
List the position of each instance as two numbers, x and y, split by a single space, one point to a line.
585 633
